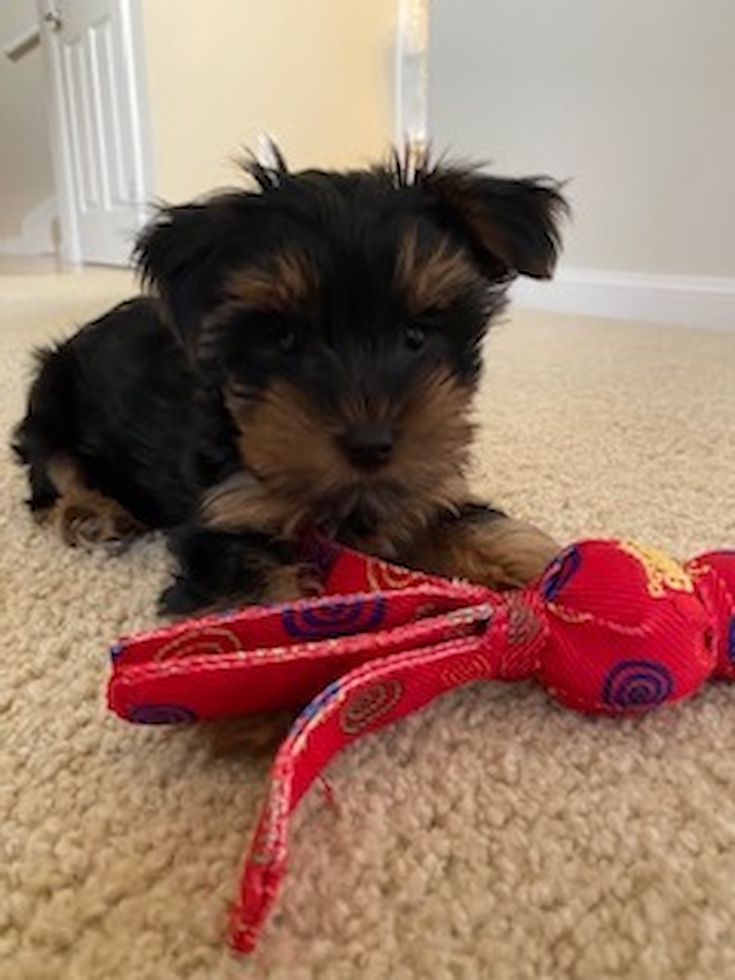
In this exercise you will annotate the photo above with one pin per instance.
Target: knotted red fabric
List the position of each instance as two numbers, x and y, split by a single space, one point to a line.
612 627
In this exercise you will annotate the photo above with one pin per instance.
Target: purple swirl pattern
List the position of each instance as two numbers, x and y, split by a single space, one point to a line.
560 571
334 617
161 714
116 651
635 684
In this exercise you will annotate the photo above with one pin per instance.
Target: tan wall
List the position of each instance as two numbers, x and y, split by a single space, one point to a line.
635 101
26 176
317 75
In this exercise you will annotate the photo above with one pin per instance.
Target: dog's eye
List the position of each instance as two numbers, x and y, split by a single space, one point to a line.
236 389
414 337
287 340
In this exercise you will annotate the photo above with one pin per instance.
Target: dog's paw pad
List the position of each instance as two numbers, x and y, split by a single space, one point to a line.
97 524
80 526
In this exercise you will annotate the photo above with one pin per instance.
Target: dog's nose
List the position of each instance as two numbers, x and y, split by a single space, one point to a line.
368 445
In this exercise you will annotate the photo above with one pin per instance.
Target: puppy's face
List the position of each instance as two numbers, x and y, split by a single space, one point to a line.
338 318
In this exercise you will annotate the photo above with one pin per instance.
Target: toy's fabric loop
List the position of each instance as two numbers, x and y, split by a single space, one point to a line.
367 699
370 697
612 627
280 657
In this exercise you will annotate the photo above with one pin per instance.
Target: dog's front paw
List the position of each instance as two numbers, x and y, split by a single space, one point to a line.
291 582
181 599
508 553
91 521
486 547
286 583
220 570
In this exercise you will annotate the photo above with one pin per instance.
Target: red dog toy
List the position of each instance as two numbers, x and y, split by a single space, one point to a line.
611 627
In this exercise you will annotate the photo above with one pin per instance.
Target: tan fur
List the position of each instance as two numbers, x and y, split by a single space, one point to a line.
243 502
433 281
290 582
287 285
490 230
296 472
84 517
457 192
500 552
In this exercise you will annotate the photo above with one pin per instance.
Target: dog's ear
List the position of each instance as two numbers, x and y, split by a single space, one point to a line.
511 226
182 254
186 251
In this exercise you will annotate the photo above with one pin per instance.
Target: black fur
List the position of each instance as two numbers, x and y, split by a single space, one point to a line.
218 567
117 398
138 398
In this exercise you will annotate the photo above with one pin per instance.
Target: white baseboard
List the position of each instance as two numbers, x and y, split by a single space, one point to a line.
37 232
691 301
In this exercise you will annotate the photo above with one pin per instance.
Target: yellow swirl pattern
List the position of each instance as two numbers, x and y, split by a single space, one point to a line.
382 576
207 640
662 571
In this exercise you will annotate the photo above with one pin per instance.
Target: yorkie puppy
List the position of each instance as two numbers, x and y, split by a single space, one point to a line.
306 356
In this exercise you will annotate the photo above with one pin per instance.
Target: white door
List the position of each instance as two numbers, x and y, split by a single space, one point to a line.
99 127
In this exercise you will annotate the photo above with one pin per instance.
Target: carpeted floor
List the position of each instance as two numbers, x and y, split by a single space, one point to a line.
493 836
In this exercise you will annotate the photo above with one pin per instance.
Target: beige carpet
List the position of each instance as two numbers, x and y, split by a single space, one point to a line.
493 836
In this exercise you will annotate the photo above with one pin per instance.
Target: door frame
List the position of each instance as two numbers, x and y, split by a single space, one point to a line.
70 245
